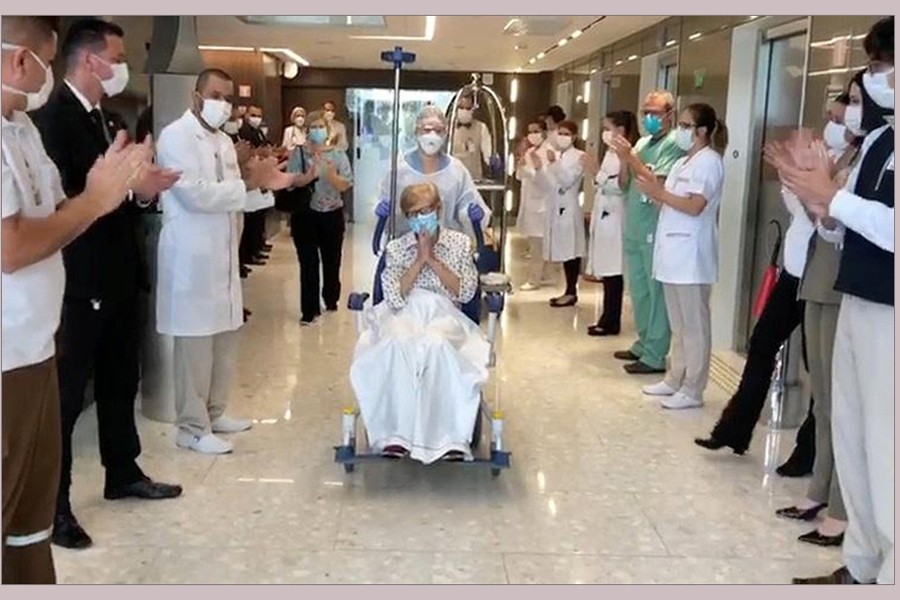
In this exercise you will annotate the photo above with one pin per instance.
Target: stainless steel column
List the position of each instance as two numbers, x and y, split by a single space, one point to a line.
173 64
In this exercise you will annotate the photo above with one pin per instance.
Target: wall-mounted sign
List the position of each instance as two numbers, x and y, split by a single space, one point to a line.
699 78
488 78
244 91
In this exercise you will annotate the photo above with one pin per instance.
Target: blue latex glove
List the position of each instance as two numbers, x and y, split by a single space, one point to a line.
476 213
383 209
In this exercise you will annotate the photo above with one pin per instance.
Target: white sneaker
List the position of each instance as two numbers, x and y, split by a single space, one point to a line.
659 389
208 444
680 401
529 287
228 425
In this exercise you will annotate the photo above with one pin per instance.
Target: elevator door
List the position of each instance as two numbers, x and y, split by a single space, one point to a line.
783 61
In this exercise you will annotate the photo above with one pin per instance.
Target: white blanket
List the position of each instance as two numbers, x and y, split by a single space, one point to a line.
418 374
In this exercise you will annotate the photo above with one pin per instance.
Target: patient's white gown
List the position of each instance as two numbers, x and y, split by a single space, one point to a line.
420 363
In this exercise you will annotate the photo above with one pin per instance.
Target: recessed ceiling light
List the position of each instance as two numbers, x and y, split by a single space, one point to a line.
618 62
521 46
633 57
532 60
541 55
228 48
562 42
430 24
695 36
593 71
576 34
671 43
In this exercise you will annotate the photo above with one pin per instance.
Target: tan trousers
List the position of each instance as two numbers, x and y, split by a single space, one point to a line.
820 327
31 464
691 346
862 427
203 377
537 271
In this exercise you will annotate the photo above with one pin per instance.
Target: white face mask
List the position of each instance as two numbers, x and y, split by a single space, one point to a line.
215 112
34 100
834 137
118 82
564 141
299 121
606 137
535 139
464 115
684 137
430 143
853 119
231 127
255 122
879 89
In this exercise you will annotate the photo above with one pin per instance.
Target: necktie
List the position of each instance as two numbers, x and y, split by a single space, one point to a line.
97 118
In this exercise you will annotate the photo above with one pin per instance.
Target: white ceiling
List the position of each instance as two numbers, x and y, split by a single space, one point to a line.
460 43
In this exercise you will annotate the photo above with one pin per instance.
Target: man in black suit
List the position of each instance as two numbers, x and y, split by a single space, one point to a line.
99 332
253 245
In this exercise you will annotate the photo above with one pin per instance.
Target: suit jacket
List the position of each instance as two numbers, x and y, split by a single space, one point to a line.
253 135
103 263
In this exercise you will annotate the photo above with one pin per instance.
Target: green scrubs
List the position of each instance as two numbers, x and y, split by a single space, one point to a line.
641 215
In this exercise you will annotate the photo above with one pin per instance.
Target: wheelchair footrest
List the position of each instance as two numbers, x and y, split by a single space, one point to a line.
500 459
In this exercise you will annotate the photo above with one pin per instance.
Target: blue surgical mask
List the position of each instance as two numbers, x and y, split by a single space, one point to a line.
653 124
427 222
317 135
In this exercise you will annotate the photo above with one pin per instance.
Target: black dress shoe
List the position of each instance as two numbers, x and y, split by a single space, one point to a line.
800 514
262 256
795 467
639 368
564 301
145 489
601 330
67 533
840 577
712 443
268 247
627 355
331 308
817 539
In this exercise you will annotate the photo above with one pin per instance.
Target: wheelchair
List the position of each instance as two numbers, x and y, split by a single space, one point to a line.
491 295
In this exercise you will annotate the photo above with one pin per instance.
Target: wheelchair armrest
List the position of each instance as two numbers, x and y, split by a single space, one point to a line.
479 235
357 301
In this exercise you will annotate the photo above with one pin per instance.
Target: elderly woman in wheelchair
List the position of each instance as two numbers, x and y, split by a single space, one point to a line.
420 363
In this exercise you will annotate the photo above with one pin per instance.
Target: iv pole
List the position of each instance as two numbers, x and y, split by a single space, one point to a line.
398 58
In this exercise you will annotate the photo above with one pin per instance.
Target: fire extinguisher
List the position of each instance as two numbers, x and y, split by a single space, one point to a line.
770 277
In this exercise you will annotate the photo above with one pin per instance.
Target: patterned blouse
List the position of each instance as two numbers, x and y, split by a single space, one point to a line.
452 248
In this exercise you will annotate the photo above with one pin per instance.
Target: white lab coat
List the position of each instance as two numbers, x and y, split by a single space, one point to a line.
455 185
293 137
564 226
686 251
198 283
533 197
605 250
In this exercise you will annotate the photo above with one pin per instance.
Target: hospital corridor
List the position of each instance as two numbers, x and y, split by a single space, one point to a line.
460 299
606 487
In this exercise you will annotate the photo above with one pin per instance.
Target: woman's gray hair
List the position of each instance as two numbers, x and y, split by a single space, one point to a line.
431 112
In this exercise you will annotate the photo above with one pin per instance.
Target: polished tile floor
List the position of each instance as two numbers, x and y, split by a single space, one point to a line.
605 486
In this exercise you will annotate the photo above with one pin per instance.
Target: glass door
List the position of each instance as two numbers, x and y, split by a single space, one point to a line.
371 110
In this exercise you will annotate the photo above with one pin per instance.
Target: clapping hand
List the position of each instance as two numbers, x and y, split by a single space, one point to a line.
649 186
620 145
244 151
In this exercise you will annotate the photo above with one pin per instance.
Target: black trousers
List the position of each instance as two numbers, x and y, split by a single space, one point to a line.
572 269
781 316
319 239
253 236
613 289
102 343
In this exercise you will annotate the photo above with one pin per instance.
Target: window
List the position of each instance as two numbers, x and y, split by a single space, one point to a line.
667 77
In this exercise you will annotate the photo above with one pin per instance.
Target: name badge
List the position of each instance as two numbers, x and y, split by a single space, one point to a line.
649 238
